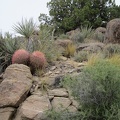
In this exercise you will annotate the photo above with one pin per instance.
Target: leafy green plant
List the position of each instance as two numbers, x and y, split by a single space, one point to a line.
97 90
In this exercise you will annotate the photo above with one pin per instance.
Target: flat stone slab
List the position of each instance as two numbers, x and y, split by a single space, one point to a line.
60 92
34 106
60 103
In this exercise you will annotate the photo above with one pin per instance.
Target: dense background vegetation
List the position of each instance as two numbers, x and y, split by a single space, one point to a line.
71 14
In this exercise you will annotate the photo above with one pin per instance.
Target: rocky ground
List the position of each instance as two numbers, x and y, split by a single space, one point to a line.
23 96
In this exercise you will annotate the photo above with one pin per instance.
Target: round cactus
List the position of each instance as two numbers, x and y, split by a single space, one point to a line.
37 60
21 56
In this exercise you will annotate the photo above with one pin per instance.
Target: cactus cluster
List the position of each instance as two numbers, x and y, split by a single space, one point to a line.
35 60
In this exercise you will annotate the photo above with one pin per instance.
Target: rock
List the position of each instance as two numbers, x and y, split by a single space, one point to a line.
16 85
19 71
72 109
53 81
63 43
53 68
7 113
60 92
72 32
63 58
91 47
33 107
100 30
113 31
60 103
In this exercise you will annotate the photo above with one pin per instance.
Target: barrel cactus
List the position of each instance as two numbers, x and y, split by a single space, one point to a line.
37 60
21 56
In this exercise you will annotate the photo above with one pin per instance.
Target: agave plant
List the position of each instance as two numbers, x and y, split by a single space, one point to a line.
7 47
26 29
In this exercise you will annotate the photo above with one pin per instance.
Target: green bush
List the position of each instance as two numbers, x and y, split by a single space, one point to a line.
62 115
97 89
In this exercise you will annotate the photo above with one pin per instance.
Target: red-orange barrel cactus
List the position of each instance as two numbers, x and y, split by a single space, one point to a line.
37 60
21 56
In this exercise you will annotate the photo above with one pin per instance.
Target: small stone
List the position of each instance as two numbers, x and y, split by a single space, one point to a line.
53 68
57 72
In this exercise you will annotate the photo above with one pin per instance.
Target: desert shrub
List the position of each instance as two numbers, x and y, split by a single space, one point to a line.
111 49
77 37
20 56
99 37
69 50
7 47
94 57
63 36
87 31
97 90
80 36
115 59
81 56
47 44
62 115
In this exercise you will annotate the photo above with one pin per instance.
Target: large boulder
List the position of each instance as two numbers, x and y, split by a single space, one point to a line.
113 31
15 86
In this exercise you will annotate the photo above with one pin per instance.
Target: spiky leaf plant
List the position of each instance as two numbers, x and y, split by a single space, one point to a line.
26 29
7 47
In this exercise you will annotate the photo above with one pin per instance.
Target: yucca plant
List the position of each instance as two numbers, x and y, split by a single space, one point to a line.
7 47
26 29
